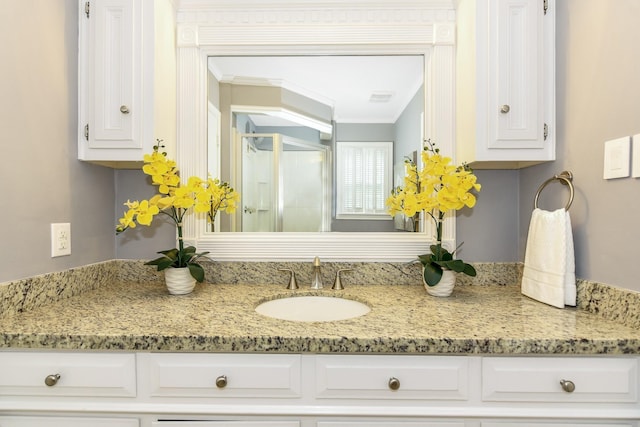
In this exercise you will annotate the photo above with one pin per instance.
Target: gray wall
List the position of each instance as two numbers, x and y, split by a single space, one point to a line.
488 232
141 241
598 98
41 180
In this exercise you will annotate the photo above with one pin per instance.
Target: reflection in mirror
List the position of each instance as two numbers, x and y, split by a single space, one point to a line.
276 123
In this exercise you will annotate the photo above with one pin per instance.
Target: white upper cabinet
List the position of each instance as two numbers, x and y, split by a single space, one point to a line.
505 103
127 80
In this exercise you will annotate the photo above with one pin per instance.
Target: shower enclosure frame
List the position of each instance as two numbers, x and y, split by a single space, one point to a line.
279 141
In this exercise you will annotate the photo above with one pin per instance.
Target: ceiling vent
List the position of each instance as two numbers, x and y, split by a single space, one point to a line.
380 97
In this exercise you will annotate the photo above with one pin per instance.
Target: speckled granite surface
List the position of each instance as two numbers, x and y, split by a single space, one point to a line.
121 310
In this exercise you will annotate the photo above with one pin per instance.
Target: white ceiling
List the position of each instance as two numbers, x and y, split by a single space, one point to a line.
346 83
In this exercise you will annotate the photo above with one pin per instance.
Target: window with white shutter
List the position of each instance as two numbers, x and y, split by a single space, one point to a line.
363 179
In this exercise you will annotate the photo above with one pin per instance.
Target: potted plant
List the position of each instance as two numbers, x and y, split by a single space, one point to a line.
435 189
175 199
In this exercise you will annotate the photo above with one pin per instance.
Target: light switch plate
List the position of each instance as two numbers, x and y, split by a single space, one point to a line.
616 158
635 151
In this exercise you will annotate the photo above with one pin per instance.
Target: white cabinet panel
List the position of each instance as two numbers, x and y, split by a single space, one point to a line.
515 67
116 39
392 377
67 422
68 374
127 80
225 423
391 424
505 83
539 379
224 375
556 424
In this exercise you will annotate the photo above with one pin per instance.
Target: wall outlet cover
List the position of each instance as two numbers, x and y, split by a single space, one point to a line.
617 157
60 239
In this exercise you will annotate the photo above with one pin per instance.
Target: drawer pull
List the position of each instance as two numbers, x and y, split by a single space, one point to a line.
505 109
51 380
124 109
221 381
568 386
394 383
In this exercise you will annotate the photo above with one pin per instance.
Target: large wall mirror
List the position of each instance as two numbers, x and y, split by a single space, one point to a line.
281 110
313 143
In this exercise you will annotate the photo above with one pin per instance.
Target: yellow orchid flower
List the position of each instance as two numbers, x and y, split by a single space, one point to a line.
439 186
146 212
174 199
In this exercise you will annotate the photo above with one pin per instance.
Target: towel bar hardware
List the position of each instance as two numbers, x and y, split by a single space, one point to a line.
565 178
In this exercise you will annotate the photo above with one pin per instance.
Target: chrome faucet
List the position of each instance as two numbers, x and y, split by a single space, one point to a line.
316 281
293 283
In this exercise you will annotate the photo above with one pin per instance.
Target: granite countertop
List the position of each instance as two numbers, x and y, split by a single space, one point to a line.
495 319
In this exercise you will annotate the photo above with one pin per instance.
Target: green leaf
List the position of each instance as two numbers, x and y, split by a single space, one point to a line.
432 274
162 263
189 250
201 254
170 253
469 270
440 254
455 265
197 272
425 259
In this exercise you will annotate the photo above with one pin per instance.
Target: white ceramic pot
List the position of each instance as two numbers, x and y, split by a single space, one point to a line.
179 281
444 287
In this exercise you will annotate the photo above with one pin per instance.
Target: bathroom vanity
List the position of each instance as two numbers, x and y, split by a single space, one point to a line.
121 352
128 354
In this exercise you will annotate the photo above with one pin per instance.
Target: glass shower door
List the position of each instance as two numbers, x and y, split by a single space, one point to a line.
258 183
304 186
285 184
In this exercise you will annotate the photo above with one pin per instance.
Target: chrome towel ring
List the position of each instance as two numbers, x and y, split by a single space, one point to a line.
565 178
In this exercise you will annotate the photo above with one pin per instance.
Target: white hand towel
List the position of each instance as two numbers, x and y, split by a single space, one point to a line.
549 263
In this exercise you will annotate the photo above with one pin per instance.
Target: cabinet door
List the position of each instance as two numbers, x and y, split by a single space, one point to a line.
515 99
563 423
391 424
223 375
67 422
115 64
200 423
392 377
541 379
67 374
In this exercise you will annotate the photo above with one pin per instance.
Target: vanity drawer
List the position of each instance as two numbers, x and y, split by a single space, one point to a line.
392 377
539 379
224 375
67 422
67 374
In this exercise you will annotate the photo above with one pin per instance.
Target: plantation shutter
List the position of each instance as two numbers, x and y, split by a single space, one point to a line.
363 178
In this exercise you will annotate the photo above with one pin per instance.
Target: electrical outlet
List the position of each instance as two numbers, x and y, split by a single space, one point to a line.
60 239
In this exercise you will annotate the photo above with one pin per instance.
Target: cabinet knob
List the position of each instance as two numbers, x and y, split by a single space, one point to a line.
52 380
124 109
505 109
394 383
567 386
221 381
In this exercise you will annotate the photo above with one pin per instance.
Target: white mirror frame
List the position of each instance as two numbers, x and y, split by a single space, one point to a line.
372 27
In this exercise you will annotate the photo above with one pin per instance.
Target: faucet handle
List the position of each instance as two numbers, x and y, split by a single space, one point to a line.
337 285
293 284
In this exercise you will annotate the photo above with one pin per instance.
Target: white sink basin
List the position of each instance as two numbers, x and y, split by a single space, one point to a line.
312 309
